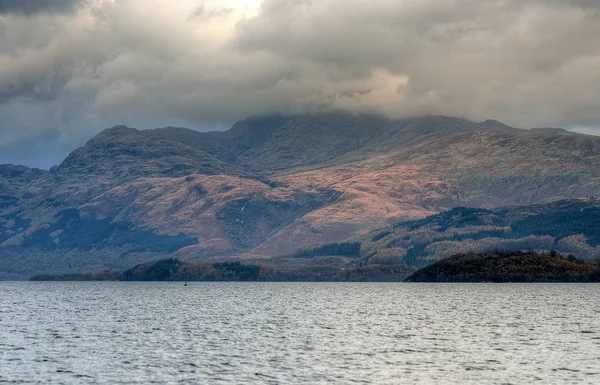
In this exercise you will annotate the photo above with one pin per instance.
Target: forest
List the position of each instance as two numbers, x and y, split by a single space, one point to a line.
509 266
569 227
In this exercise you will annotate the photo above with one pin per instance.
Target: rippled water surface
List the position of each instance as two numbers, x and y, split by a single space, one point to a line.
293 333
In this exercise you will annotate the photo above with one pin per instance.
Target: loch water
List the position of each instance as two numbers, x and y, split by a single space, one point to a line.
298 333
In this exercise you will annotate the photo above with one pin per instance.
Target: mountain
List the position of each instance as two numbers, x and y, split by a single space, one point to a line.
121 153
271 185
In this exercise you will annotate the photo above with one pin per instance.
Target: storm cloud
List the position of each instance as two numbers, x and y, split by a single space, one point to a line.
71 68
28 7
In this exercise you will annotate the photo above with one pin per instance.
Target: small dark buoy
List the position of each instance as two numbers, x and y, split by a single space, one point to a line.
185 284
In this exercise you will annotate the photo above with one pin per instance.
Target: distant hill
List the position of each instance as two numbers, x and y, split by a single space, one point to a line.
272 185
508 266
173 270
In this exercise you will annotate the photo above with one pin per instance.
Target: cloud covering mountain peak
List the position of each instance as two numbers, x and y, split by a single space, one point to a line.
70 67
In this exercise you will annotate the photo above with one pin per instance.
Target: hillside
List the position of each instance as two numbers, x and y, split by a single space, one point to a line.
172 269
271 185
569 227
512 266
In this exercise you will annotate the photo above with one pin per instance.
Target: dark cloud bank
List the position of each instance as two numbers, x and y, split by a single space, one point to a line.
29 7
69 68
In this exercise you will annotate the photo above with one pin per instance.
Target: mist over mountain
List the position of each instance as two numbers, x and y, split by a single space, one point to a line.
272 185
72 67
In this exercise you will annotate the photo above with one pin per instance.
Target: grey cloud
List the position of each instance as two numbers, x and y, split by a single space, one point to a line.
202 12
459 57
148 63
29 7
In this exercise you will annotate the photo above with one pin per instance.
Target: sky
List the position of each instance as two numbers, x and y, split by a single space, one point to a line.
69 68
